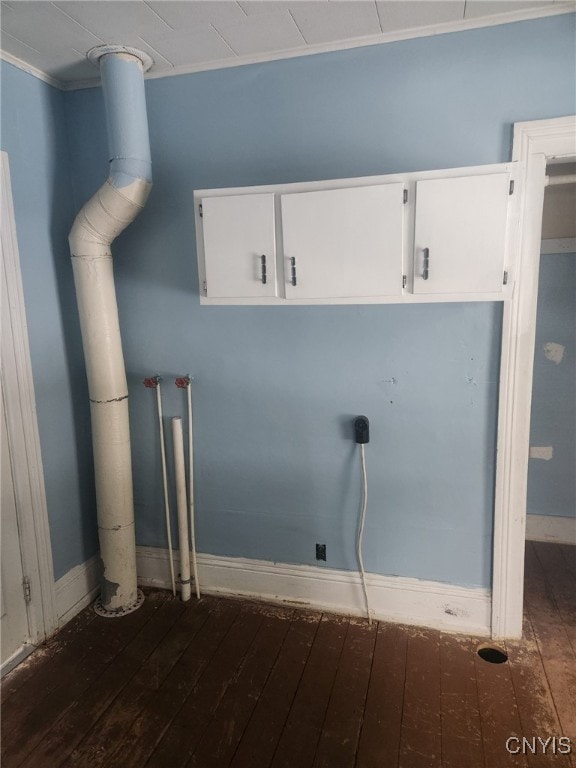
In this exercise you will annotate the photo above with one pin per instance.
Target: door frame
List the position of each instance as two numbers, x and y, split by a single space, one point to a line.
535 144
24 440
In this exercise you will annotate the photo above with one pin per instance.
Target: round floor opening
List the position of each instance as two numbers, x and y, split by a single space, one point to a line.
492 655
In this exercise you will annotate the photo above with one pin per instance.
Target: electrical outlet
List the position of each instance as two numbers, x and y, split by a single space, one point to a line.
320 551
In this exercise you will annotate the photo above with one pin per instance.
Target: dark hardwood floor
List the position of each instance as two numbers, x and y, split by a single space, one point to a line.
221 682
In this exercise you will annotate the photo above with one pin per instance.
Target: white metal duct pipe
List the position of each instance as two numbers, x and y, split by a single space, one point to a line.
114 206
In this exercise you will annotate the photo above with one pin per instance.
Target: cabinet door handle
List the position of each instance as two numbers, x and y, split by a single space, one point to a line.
426 264
263 262
293 270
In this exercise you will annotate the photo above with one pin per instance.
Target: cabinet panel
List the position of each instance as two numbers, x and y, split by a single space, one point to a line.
343 242
238 231
460 234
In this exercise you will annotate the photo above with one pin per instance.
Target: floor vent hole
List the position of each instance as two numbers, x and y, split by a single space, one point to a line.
493 655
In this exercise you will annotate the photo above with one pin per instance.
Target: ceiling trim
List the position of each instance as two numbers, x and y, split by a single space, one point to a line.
32 70
556 9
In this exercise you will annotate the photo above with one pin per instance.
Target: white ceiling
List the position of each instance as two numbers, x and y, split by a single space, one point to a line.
52 38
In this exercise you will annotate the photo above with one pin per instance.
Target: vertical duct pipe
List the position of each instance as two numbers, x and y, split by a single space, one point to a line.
114 206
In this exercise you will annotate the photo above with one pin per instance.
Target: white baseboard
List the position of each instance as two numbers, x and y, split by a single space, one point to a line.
392 598
17 658
561 530
77 588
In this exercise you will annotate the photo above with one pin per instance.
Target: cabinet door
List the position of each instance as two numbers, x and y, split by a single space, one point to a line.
460 234
342 243
239 245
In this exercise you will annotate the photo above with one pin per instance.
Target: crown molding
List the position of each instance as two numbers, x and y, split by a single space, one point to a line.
31 70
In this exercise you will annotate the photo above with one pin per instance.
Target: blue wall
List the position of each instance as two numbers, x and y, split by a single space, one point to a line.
552 483
34 136
276 388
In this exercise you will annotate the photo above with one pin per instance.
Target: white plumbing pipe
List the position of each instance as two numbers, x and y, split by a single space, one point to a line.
191 481
165 485
114 206
182 505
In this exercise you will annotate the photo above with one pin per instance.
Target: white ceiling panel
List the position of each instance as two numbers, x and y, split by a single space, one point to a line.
395 15
108 18
61 65
66 65
188 35
325 22
5 8
262 33
476 8
44 27
252 7
15 47
187 15
202 44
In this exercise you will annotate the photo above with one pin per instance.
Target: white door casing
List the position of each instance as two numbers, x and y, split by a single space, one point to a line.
22 431
535 144
14 616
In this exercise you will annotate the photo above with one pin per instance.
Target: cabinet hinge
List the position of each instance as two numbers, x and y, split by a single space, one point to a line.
405 198
403 281
505 279
204 287
200 210
511 190
27 590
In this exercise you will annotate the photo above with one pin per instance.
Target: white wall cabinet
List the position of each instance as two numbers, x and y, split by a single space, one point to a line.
430 236
240 246
460 234
343 242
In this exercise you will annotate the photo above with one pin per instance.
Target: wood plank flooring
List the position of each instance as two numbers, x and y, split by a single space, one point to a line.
221 683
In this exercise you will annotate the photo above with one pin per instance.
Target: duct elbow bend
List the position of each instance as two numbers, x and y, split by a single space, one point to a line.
106 215
120 199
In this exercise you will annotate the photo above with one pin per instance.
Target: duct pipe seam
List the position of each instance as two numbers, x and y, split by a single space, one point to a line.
114 206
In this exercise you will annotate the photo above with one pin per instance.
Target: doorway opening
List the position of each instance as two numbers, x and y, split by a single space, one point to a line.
537 145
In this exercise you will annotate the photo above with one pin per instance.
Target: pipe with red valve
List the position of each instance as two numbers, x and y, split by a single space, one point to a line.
185 382
153 382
